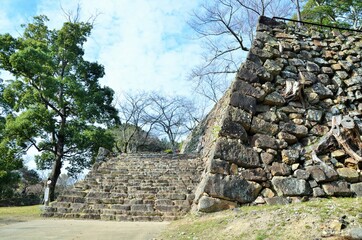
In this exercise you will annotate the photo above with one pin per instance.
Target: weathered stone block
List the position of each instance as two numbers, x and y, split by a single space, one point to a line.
301 174
318 192
167 208
257 175
163 202
322 173
267 193
269 116
177 196
219 166
259 200
244 102
235 152
346 65
342 74
231 187
272 67
338 154
319 130
264 141
322 91
121 207
233 130
299 131
314 115
348 174
276 201
247 75
267 158
274 99
209 204
247 89
339 189
357 189
240 116
296 62
312 67
355 233
142 208
307 78
259 125
254 68
289 138
356 80
280 169
321 61
290 156
262 54
285 186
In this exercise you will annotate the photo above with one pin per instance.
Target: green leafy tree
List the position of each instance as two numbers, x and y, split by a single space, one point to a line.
56 101
346 13
10 155
10 161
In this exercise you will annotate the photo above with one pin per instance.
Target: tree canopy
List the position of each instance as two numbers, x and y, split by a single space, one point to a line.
347 13
55 101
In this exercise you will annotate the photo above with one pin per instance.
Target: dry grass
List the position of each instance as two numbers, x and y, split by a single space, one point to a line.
308 220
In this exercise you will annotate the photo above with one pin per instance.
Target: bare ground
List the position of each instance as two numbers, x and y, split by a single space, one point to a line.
80 229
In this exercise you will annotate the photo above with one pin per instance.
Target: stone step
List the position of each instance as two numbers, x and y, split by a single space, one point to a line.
132 188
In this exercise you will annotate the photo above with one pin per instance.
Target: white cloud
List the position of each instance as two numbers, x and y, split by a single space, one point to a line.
142 44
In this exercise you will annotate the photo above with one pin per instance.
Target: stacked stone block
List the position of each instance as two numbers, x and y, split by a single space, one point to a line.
135 187
261 152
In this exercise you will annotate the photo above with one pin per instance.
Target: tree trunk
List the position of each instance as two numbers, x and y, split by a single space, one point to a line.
57 165
299 15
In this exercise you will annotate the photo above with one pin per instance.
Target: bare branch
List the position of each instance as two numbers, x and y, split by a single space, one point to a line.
226 29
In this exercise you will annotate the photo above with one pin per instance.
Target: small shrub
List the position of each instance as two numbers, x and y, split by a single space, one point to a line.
168 151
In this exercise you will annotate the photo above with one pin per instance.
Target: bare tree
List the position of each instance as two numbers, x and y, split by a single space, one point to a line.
297 5
172 116
135 125
226 28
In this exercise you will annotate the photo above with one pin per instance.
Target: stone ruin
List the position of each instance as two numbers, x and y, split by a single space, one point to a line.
287 129
132 187
289 126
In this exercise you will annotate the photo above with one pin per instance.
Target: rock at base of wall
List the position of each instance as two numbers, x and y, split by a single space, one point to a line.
322 173
277 201
338 189
357 189
285 186
348 174
209 204
231 187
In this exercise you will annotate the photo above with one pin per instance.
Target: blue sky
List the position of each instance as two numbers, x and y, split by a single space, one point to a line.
143 44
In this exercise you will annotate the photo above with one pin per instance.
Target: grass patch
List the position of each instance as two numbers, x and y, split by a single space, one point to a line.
288 222
19 214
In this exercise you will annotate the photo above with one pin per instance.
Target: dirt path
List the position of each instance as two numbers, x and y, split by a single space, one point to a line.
81 229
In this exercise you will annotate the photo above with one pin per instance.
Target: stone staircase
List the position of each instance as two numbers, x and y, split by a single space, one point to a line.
133 187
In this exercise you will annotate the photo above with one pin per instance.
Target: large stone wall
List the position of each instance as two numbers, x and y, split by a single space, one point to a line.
289 126
287 129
